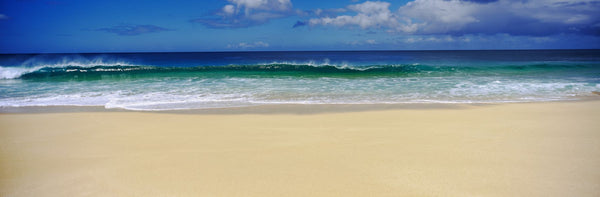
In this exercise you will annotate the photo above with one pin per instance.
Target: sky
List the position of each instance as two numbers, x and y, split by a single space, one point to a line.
75 26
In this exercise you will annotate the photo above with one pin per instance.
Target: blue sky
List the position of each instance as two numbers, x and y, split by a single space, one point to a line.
41 26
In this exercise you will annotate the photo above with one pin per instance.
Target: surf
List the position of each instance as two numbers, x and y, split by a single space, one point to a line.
170 81
72 71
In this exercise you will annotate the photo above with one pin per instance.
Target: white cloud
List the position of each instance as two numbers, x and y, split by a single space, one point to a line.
441 15
318 12
2 16
244 45
459 17
447 15
557 11
229 9
369 14
249 5
245 13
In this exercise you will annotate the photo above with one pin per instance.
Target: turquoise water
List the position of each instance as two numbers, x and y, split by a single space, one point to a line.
170 81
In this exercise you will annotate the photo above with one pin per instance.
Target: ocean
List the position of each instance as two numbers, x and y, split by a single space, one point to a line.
202 80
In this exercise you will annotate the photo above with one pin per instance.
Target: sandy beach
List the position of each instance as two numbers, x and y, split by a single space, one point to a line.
522 149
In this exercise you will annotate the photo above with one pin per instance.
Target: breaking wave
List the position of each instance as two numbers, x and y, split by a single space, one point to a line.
70 70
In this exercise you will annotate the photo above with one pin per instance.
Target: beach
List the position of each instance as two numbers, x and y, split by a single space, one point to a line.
278 98
514 149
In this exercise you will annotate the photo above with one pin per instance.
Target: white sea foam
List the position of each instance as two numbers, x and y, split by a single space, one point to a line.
172 93
37 63
14 72
156 101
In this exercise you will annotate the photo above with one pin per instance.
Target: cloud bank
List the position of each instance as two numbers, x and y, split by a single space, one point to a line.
460 17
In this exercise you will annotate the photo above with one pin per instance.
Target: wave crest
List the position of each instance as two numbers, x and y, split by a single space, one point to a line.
45 63
95 69
238 70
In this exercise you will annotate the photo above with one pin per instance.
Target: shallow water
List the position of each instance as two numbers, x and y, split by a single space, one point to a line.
172 81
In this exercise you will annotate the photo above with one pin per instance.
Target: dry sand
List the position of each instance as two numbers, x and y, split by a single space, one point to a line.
535 149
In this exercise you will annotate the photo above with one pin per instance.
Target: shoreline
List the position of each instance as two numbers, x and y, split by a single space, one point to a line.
281 108
258 109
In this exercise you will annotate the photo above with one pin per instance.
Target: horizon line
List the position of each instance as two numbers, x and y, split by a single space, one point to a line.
258 51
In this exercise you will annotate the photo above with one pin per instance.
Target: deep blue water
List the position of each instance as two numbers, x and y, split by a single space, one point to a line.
165 81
